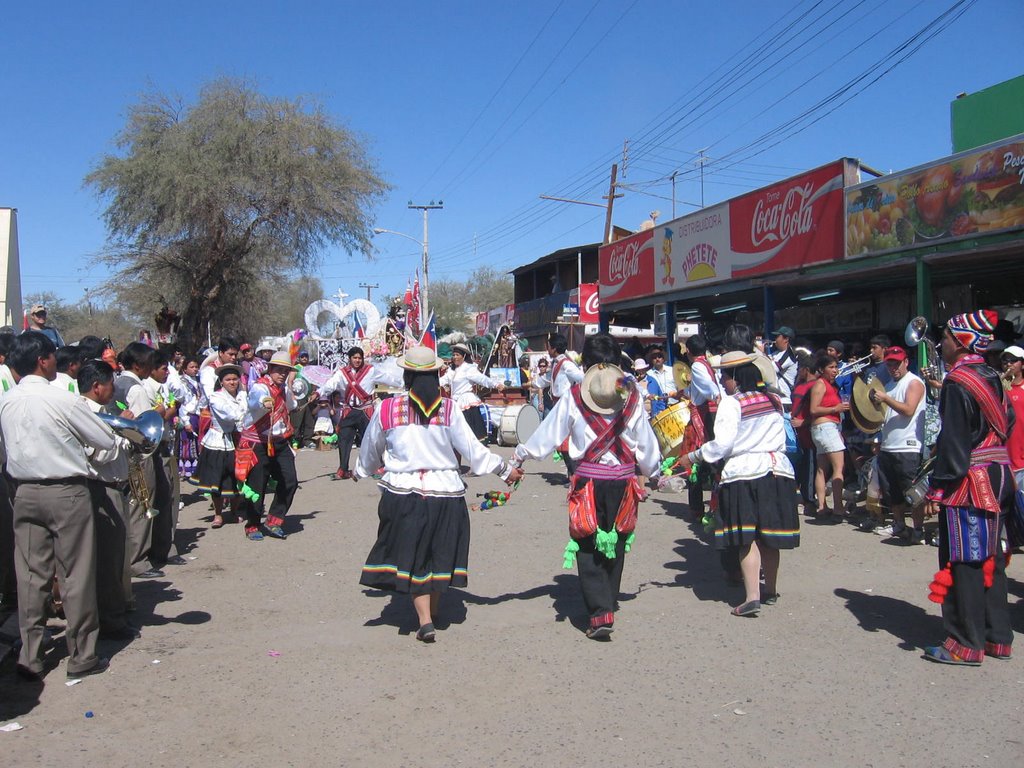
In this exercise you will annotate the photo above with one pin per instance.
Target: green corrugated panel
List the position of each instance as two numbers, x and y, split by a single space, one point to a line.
988 115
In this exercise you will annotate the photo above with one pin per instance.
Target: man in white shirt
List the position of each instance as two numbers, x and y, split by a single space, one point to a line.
899 457
69 360
663 379
564 374
131 400
785 363
703 394
108 489
8 582
48 437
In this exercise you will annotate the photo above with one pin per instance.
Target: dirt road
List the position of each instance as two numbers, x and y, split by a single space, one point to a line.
271 654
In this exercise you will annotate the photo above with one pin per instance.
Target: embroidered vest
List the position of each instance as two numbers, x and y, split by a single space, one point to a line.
399 412
608 431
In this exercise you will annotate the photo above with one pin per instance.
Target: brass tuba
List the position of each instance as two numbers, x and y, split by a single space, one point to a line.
144 433
915 334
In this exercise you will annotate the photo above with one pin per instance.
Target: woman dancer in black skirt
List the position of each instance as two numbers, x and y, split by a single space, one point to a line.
757 492
422 543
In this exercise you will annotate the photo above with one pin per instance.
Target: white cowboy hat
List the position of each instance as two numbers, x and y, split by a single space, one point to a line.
640 364
282 360
420 359
604 388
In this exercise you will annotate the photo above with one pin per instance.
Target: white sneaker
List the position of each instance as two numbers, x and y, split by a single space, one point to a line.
889 530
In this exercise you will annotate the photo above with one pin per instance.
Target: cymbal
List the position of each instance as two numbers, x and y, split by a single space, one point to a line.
867 427
861 400
681 374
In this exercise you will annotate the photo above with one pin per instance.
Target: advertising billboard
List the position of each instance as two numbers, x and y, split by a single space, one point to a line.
788 225
968 194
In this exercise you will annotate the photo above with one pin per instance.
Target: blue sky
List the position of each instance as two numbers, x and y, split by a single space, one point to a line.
486 106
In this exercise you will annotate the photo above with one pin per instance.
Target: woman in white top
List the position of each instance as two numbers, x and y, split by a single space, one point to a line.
188 418
460 378
216 470
757 492
422 543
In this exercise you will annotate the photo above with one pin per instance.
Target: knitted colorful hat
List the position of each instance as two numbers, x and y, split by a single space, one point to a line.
973 330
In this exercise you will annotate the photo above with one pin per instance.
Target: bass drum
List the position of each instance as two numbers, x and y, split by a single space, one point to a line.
517 425
670 428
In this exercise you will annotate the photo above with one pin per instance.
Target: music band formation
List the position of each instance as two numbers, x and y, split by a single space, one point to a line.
95 446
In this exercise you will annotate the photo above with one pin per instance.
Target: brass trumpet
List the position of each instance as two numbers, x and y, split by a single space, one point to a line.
144 434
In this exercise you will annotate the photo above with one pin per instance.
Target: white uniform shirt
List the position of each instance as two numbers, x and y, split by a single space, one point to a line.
565 420
109 466
461 381
568 374
421 459
7 382
47 433
139 400
703 384
256 411
226 416
370 380
65 382
751 447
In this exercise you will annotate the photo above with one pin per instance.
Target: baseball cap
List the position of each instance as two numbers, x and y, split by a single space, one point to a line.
786 331
1015 351
899 354
36 309
245 347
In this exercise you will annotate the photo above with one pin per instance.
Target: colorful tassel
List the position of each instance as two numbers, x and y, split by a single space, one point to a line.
629 541
606 541
941 584
988 568
569 556
556 456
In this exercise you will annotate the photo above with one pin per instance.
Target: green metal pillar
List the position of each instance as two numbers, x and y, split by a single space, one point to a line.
924 301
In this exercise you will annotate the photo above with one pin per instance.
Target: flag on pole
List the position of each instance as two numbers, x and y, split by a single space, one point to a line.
413 316
429 337
359 331
408 294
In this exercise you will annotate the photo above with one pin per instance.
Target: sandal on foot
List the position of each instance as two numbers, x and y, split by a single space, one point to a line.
425 634
602 632
218 522
942 655
750 608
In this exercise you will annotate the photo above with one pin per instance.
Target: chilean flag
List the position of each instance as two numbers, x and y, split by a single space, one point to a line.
360 333
429 337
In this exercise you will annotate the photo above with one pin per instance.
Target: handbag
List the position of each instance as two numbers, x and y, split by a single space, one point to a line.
582 511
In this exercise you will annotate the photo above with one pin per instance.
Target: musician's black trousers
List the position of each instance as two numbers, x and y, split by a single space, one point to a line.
281 467
972 614
351 428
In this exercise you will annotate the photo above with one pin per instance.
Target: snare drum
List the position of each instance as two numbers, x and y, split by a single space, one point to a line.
670 428
517 425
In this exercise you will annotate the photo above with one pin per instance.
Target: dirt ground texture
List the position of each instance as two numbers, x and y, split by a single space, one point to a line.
272 654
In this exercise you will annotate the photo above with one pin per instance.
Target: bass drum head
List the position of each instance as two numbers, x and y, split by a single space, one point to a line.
518 423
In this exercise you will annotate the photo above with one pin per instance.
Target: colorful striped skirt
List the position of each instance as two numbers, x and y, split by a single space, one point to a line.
763 509
422 544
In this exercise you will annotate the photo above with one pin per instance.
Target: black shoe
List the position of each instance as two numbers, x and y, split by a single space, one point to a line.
425 633
603 632
98 668
127 632
176 560
28 675
152 573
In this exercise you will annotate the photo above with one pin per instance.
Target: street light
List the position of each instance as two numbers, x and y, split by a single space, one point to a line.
424 311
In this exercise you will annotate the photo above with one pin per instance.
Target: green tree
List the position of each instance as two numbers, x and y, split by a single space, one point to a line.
213 206
488 289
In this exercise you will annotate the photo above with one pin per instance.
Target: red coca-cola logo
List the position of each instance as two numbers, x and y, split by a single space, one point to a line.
624 263
778 217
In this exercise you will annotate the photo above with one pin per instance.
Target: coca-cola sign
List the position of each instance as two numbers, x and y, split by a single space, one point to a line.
627 267
791 224
786 226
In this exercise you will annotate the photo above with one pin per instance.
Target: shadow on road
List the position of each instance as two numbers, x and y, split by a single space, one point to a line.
699 569
912 625
564 594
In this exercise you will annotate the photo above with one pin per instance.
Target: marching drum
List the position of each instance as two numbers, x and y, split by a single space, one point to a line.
517 424
670 428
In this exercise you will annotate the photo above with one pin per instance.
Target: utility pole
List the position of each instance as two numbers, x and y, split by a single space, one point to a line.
700 161
369 287
611 201
674 194
424 292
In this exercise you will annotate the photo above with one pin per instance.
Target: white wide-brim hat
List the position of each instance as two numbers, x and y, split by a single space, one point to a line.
420 359
604 388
